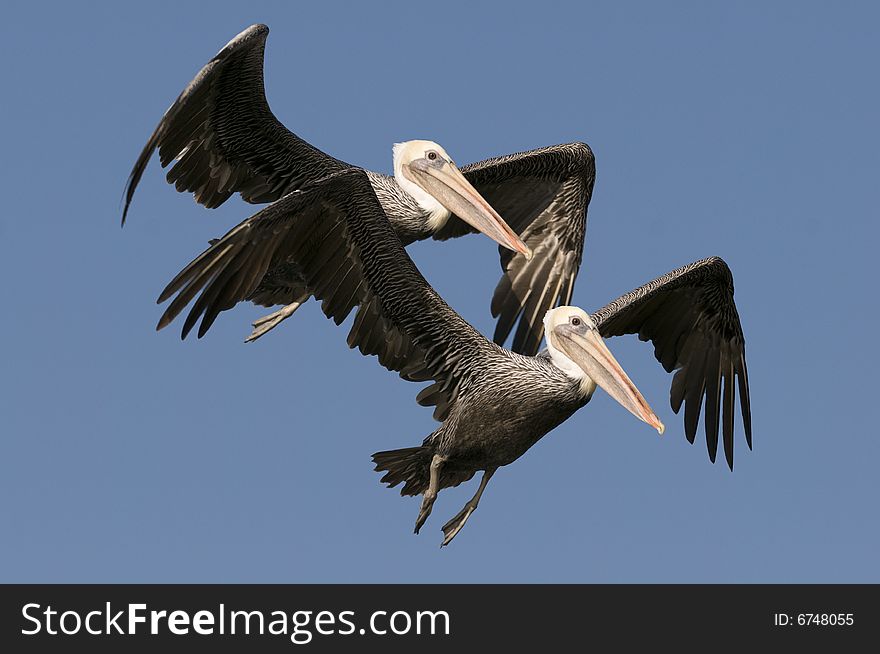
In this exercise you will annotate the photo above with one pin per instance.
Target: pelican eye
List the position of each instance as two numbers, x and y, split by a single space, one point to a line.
575 321
432 155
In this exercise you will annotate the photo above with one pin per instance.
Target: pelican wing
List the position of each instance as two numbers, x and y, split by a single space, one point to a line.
337 235
226 139
543 195
690 317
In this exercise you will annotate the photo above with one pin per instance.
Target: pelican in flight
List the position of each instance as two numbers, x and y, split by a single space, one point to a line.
493 404
225 139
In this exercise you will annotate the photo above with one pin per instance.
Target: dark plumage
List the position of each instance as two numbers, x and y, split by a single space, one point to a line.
494 404
226 140
230 140
690 316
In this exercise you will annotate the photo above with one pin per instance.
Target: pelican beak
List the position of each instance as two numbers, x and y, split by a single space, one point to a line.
451 189
590 353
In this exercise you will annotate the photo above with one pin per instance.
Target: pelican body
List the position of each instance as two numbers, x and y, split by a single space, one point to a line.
517 400
222 138
493 403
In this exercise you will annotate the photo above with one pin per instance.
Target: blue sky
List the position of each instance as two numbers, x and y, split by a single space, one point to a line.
745 131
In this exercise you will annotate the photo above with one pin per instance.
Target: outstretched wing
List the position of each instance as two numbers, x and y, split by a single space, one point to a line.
226 139
690 316
338 236
543 195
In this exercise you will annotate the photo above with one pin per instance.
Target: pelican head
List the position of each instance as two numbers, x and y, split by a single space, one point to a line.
577 348
425 171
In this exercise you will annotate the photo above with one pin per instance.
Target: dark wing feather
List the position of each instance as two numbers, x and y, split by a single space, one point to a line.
691 318
543 195
339 238
226 139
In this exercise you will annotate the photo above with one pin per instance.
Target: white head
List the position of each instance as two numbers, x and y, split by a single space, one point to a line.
563 315
577 348
425 171
409 151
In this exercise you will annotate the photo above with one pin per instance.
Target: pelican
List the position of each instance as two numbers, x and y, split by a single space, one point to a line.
493 403
225 139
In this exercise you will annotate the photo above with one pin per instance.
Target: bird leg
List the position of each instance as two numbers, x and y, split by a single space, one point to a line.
430 493
451 528
269 322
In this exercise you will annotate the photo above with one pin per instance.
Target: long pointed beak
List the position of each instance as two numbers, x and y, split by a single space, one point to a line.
453 191
591 354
